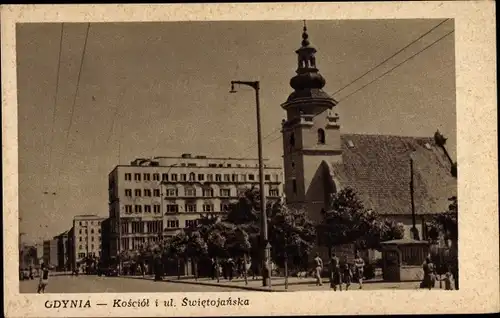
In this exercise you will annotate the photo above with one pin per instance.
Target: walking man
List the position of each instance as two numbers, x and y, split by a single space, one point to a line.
359 266
319 267
44 279
335 275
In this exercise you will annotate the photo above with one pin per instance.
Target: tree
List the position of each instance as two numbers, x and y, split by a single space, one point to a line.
246 209
196 248
293 235
347 221
178 248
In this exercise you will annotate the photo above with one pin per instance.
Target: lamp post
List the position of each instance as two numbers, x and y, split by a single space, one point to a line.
266 270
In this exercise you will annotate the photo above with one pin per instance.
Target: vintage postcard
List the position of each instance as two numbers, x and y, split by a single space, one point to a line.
249 159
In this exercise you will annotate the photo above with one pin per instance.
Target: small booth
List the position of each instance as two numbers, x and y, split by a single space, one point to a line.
403 260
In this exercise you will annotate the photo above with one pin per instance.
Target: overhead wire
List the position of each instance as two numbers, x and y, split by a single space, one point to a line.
49 161
68 130
390 57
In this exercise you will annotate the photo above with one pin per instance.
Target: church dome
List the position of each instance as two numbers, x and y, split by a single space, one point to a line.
307 80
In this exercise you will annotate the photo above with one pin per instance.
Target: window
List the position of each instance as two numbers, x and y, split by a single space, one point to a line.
191 223
80 239
207 208
92 239
274 193
80 231
147 192
210 177
183 177
137 192
92 222
292 139
277 177
208 192
156 192
190 192
173 223
172 208
81 255
92 231
190 207
174 177
267 177
81 247
227 177
164 176
171 192
128 209
229 165
201 177
251 177
294 185
137 177
147 208
147 177
128 177
192 176
156 208
225 192
243 178
138 208
241 192
156 177
321 136
80 223
218 177
234 177
224 207
99 231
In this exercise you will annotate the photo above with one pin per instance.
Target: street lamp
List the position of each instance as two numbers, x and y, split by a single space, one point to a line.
266 270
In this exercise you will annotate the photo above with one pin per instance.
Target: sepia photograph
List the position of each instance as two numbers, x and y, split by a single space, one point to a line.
202 162
226 156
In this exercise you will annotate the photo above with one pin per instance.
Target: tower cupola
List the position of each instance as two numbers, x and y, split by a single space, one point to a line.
308 82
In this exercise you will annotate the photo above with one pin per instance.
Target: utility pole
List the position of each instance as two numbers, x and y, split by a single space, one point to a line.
266 269
414 229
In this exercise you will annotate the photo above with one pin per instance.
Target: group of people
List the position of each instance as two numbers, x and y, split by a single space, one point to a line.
340 273
430 277
230 268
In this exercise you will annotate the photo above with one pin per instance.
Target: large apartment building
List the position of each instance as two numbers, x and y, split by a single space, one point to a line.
155 198
85 237
50 256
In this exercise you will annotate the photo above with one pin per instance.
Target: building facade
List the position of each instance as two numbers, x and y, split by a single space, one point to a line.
404 178
50 252
63 249
154 198
85 238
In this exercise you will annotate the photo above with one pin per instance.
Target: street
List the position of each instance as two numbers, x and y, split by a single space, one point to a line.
95 284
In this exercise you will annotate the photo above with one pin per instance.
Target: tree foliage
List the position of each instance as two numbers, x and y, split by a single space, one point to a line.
347 221
445 224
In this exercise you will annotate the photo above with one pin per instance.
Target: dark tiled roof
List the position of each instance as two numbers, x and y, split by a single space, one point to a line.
377 167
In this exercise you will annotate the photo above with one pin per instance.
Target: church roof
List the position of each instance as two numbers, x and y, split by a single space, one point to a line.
378 168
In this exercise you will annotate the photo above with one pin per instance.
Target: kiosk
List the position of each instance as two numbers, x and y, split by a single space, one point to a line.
403 260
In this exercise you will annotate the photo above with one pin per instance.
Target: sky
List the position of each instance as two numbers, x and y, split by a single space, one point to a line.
161 89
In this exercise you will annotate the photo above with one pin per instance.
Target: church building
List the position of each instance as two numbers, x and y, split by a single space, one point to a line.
402 178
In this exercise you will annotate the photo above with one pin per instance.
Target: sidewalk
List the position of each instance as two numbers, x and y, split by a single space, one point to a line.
278 284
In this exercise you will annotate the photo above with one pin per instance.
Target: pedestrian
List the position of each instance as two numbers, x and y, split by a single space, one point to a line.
448 278
318 262
31 274
335 276
359 268
429 278
346 276
213 270
44 279
230 268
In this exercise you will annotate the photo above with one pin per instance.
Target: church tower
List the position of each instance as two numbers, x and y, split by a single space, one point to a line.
311 134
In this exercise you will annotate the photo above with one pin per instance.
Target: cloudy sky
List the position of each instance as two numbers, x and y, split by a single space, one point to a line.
151 89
